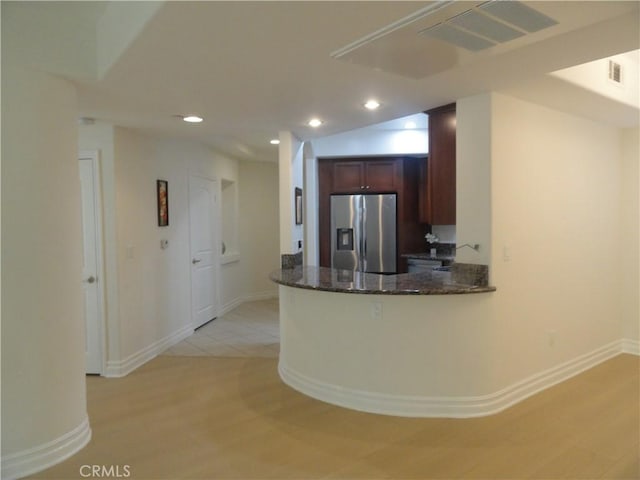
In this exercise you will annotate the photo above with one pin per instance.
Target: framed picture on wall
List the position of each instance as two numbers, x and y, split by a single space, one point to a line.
162 187
298 200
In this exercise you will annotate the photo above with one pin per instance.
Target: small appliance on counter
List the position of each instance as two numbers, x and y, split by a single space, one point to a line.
418 265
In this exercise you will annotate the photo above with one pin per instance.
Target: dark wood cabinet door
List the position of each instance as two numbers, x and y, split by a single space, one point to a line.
381 175
348 177
439 179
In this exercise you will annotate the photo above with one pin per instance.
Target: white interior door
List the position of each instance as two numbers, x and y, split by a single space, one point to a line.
91 281
205 240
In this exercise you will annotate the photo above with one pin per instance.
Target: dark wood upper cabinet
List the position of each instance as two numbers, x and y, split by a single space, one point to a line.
365 175
381 175
438 175
347 176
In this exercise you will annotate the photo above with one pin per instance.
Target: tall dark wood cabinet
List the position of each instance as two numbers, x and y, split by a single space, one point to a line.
398 175
438 174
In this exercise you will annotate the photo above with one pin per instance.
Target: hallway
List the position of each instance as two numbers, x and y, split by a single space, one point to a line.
250 330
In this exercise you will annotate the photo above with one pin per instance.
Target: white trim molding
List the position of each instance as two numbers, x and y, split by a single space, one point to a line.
236 302
36 459
120 368
453 407
253 297
631 346
96 160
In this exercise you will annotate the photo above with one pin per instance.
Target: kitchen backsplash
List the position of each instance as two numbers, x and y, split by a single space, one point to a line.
446 233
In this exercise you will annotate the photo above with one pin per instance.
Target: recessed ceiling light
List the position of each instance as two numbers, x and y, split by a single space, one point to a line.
192 119
275 141
410 125
372 104
315 122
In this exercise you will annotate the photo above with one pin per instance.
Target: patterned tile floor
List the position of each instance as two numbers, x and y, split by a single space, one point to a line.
250 330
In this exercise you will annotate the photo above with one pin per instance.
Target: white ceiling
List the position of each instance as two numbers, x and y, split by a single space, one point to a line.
252 69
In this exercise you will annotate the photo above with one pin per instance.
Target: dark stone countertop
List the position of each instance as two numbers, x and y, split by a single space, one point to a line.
347 281
427 256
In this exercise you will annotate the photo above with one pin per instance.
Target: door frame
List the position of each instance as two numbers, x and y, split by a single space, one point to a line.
217 223
94 157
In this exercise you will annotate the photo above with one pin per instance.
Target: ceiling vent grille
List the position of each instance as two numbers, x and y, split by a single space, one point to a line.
489 24
615 72
446 34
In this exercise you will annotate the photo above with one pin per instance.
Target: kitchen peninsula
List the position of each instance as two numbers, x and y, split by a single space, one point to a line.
407 344
462 279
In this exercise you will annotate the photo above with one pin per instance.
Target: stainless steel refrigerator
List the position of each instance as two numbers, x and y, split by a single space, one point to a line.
363 232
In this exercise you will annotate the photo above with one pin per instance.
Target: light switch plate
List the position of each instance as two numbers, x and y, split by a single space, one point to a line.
376 311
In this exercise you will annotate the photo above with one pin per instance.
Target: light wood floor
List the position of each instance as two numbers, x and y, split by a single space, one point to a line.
232 418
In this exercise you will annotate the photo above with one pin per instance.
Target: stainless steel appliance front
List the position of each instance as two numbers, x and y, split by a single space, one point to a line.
363 232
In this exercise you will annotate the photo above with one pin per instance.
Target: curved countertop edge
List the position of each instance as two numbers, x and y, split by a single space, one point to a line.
326 279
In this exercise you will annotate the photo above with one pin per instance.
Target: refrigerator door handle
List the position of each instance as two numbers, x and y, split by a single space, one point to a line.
363 220
364 251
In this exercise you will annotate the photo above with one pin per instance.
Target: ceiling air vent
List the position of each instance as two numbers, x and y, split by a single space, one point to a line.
489 24
615 72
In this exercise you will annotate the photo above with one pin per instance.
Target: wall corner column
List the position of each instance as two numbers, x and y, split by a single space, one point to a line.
290 165
44 414
473 178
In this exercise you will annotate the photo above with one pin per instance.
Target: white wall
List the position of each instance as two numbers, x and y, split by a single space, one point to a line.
311 208
629 248
153 284
594 76
555 203
473 178
44 416
49 39
117 27
232 281
258 227
290 168
363 142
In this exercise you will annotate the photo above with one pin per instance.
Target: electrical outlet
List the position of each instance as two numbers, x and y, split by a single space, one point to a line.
376 311
506 253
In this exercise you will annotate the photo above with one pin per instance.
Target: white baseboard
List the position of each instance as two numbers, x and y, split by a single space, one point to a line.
235 303
454 407
252 297
124 367
631 346
36 459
